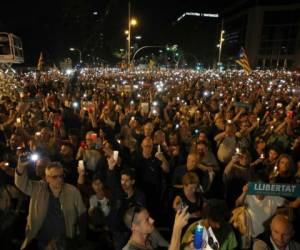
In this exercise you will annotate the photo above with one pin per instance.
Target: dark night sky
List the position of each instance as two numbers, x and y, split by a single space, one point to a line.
53 26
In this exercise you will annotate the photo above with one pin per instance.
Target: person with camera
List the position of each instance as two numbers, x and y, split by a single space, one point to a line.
55 209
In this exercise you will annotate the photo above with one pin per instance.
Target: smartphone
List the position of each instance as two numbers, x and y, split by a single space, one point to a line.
81 164
34 157
182 205
115 155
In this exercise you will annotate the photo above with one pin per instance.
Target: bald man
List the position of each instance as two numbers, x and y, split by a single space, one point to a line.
280 237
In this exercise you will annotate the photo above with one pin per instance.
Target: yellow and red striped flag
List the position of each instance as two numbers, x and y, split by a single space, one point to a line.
243 61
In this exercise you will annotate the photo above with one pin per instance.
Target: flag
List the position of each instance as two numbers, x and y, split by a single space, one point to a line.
40 65
243 61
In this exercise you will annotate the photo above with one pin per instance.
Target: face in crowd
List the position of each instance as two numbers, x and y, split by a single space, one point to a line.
202 137
97 186
272 156
148 129
281 231
202 149
147 146
192 161
284 165
55 177
14 141
45 134
90 142
66 151
142 224
127 182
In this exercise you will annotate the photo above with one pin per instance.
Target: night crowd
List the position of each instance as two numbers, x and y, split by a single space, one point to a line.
110 159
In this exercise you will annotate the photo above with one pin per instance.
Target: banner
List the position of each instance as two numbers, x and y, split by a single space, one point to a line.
274 189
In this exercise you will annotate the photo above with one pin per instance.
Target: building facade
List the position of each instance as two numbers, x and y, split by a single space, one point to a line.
270 33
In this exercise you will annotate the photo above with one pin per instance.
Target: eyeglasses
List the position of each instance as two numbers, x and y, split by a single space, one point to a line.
61 176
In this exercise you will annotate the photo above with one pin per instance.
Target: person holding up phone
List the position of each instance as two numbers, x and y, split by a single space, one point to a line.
60 206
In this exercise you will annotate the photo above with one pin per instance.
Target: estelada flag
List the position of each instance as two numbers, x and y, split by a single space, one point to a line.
40 65
243 61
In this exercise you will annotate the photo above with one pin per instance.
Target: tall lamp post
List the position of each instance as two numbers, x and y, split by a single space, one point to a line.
131 22
220 45
73 49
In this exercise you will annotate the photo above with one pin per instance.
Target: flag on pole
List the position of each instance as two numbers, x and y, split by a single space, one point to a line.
243 61
40 65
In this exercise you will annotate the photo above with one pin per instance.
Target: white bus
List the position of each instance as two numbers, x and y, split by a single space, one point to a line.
11 50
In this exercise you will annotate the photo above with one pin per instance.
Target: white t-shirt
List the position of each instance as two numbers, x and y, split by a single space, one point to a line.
94 201
262 210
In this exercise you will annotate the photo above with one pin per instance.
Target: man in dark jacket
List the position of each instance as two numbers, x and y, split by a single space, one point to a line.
280 236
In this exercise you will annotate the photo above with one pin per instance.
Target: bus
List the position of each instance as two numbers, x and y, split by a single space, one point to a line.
11 50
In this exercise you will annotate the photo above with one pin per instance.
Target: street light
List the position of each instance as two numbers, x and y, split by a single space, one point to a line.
220 45
73 49
131 22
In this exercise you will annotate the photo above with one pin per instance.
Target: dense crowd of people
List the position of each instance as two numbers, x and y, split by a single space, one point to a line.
102 158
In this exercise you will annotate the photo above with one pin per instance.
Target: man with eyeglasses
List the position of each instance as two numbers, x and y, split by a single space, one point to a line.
55 208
